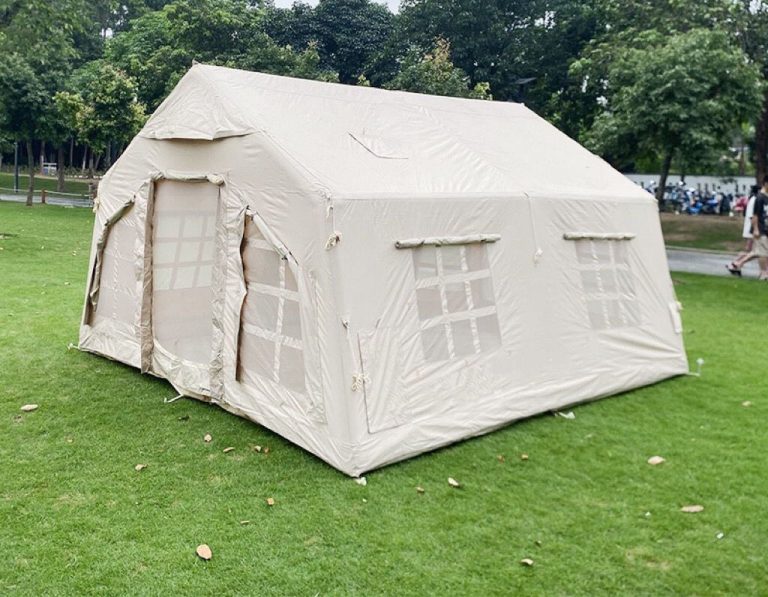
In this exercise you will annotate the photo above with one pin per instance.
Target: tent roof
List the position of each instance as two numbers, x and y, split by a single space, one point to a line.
364 142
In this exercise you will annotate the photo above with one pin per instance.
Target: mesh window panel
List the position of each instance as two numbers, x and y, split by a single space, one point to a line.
271 342
184 222
455 301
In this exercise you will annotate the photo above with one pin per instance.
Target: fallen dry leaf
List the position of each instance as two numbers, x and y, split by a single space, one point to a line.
747 403
207 438
140 467
692 509
270 501
245 522
204 552
523 456
228 450
266 450
654 460
257 448
361 481
28 408
526 562
500 457
419 489
453 482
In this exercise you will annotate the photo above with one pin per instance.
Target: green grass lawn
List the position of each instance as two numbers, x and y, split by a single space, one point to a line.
714 233
77 519
48 183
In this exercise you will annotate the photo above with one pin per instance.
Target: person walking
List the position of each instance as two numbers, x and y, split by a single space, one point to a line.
746 233
759 236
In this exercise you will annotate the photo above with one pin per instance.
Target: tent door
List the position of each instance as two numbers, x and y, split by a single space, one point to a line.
183 257
381 359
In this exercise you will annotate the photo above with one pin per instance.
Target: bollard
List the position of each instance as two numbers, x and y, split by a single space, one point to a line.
42 196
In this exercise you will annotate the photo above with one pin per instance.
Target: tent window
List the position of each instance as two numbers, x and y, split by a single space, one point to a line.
455 301
184 248
271 344
608 283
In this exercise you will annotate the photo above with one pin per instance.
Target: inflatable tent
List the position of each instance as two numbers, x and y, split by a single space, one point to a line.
373 274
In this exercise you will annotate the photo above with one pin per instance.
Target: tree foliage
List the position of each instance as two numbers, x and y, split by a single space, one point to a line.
637 80
434 73
675 96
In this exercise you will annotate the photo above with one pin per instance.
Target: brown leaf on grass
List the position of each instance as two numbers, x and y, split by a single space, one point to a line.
266 450
654 460
207 438
140 467
256 448
453 482
204 552
28 408
419 489
270 501
746 403
228 450
500 457
523 456
526 562
692 509
17 418
245 522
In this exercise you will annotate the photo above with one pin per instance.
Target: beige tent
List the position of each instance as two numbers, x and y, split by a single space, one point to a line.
373 274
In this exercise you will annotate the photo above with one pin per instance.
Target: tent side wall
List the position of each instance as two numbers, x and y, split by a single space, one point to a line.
266 263
458 339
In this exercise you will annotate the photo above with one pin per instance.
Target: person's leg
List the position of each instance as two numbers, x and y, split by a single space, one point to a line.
763 261
735 266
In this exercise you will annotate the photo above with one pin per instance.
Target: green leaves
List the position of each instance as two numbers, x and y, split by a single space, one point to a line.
434 73
681 94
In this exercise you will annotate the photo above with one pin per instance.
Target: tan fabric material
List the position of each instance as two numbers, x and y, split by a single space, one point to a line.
516 289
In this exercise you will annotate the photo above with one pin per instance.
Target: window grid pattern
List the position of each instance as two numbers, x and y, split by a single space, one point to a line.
608 283
184 250
271 344
455 301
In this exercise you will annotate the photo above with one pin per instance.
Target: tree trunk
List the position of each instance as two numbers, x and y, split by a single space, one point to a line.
91 167
85 159
71 153
761 142
31 164
42 157
665 166
60 168
108 156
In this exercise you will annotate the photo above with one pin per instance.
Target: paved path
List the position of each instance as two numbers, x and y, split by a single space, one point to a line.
706 262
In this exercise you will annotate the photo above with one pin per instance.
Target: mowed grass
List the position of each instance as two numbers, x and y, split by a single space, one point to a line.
714 233
42 182
77 519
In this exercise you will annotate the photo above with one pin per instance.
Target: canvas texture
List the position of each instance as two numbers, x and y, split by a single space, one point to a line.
373 274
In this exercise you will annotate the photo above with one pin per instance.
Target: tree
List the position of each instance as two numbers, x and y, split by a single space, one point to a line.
24 103
105 111
349 33
434 73
160 46
674 97
523 48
